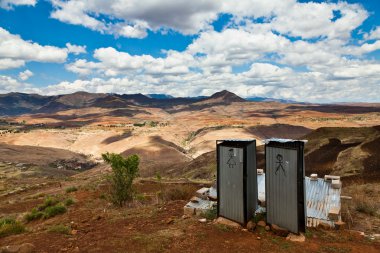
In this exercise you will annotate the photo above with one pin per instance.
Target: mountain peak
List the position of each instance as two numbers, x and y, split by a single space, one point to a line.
226 96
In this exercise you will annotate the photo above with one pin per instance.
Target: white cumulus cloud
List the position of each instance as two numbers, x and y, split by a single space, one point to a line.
14 51
9 4
305 51
25 75
75 49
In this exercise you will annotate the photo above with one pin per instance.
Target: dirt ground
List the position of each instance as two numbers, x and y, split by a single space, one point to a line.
150 226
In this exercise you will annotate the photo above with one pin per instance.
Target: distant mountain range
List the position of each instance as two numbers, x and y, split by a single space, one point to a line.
264 99
20 103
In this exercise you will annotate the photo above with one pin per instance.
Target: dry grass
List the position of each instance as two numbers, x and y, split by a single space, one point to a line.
9 226
178 192
365 204
60 229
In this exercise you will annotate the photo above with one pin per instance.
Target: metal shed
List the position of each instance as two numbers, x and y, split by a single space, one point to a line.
236 179
284 184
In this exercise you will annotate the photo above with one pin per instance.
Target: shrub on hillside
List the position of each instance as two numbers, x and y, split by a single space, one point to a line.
9 226
49 201
124 171
69 202
33 215
60 228
71 189
50 208
52 211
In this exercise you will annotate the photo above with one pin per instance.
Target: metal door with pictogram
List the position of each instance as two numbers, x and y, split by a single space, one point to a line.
284 187
231 177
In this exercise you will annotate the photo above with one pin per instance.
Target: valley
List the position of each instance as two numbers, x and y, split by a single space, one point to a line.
55 143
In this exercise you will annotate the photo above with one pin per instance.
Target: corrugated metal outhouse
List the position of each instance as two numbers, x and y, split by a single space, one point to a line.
236 179
284 184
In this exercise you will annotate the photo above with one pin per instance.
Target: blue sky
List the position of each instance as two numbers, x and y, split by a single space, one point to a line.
321 51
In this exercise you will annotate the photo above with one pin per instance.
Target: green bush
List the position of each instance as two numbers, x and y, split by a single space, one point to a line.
52 211
69 202
33 215
210 214
139 124
71 189
50 208
9 226
153 123
60 228
124 171
49 201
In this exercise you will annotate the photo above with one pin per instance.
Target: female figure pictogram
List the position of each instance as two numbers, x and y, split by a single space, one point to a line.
231 161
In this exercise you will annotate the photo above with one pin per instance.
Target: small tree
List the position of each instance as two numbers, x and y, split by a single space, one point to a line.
124 171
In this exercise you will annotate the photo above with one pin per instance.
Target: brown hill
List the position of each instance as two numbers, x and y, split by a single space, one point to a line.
18 103
70 101
158 156
35 155
80 99
111 101
279 131
222 97
344 151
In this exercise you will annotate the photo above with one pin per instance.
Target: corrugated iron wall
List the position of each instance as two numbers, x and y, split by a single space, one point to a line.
231 193
281 187
320 198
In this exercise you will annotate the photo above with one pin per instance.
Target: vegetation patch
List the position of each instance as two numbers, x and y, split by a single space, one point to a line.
258 217
223 227
211 214
139 124
71 189
284 245
124 171
152 242
308 233
180 192
49 201
52 211
33 215
60 229
140 197
366 208
9 226
50 208
69 202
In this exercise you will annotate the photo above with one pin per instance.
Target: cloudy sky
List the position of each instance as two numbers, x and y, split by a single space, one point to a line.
321 51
